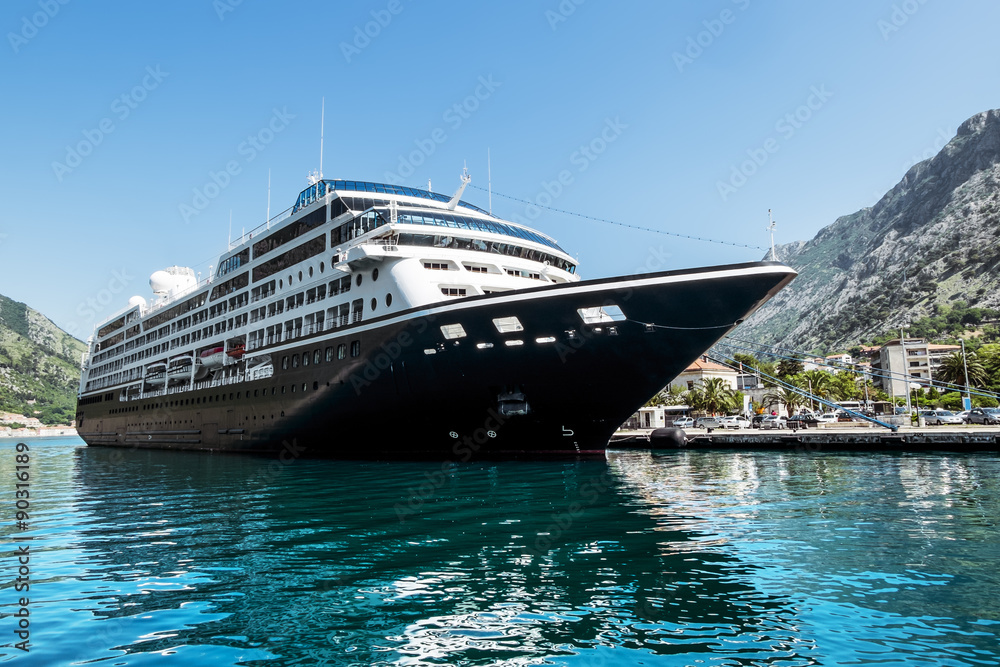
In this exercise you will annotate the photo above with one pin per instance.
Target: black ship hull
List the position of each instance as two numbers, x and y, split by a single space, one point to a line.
557 387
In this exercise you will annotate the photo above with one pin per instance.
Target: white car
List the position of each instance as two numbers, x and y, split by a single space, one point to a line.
827 418
734 421
684 422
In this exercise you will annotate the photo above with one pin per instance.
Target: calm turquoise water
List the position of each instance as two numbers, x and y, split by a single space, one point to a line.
690 558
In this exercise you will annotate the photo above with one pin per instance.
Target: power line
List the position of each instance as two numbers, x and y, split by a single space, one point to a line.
622 224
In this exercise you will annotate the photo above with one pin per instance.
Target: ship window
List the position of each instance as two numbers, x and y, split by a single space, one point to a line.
374 275
315 356
355 348
484 346
342 351
284 364
304 387
293 388
388 300
374 303
546 339
305 359
453 331
282 389
357 281
507 324
295 361
513 343
598 314
329 353
453 291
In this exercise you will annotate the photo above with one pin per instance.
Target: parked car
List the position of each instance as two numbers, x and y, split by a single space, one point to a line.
802 421
757 419
984 416
734 421
706 422
940 417
684 422
964 416
827 418
773 421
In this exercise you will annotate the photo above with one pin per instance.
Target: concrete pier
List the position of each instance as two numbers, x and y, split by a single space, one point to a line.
846 438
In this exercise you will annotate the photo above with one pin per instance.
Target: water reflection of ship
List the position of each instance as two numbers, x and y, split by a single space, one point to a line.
421 571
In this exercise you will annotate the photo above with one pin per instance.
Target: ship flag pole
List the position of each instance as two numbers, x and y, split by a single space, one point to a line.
770 227
489 179
322 117
267 219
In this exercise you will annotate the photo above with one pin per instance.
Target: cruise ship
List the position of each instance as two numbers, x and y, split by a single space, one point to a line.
378 321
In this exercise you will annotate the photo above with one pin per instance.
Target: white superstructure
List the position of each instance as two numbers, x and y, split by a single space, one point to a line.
347 251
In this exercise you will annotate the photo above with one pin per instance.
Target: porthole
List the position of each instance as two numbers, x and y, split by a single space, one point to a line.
388 300
357 281
281 283
310 272
374 303
300 276
374 275
290 279
322 267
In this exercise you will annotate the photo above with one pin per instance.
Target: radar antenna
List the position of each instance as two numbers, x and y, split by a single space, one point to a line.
458 193
770 227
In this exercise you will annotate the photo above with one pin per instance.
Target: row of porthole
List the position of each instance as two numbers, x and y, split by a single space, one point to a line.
322 268
209 399
293 360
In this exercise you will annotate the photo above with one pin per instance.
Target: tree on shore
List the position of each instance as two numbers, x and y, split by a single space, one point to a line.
953 370
786 396
713 395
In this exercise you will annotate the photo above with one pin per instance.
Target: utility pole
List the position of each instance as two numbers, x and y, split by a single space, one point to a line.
967 404
906 373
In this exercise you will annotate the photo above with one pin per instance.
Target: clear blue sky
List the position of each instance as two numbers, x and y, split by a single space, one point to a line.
115 115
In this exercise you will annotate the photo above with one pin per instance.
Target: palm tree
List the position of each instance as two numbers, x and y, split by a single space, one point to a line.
713 395
786 396
953 368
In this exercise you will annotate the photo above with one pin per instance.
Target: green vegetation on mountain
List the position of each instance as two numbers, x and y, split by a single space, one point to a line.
39 365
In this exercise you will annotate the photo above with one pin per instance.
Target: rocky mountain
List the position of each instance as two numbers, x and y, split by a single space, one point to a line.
39 365
933 239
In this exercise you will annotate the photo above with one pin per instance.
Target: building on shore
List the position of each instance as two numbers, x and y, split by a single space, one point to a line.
902 362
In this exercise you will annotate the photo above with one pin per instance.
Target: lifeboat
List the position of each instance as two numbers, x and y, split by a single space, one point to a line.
156 374
179 369
237 351
212 357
